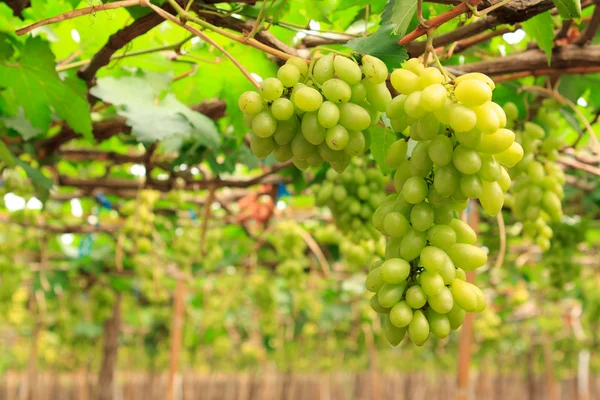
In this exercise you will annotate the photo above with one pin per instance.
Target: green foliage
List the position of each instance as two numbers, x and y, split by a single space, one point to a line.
382 44
36 87
541 29
399 13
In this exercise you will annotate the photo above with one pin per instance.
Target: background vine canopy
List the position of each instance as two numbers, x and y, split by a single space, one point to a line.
135 196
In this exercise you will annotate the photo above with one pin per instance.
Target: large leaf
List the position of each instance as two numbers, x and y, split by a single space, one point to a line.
541 29
153 116
398 13
22 125
381 140
382 44
568 9
38 89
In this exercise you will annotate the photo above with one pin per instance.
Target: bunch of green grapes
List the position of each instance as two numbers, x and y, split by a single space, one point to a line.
538 180
462 141
319 113
560 261
353 196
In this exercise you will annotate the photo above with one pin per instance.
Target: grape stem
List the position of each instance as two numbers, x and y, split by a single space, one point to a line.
485 11
430 50
204 37
561 99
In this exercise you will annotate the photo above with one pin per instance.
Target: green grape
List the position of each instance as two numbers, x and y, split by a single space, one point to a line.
439 324
401 314
471 186
511 156
460 274
418 329
511 110
396 153
393 334
389 294
492 197
442 236
283 153
250 103
416 297
282 109
271 89
473 92
299 63
404 81
289 75
378 307
323 69
469 257
466 160
462 119
431 283
301 164
248 118
261 147
412 243
347 70
488 120
313 132
395 108
285 132
443 114
464 295
359 93
420 163
430 76
496 142
441 150
340 193
491 170
433 97
448 272
378 95
415 190
336 90
353 117
328 115
536 172
446 180
422 216
356 143
414 65
443 302
395 224
499 113
374 280
412 106
456 316
433 259
307 99
402 175
315 160
425 129
374 69
395 270
504 180
264 125
469 139
552 205
337 138
301 148
481 301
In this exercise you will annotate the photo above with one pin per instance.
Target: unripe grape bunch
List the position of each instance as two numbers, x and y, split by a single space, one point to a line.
322 112
462 149
353 196
538 180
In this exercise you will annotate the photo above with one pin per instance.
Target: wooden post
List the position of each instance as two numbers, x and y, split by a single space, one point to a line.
176 334
112 326
465 342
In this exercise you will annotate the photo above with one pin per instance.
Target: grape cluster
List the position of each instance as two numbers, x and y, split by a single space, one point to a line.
461 142
353 196
538 180
319 113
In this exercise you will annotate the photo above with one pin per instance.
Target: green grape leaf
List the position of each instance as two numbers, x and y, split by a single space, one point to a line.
153 115
38 89
41 183
541 29
398 13
381 140
382 44
6 156
22 125
568 9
